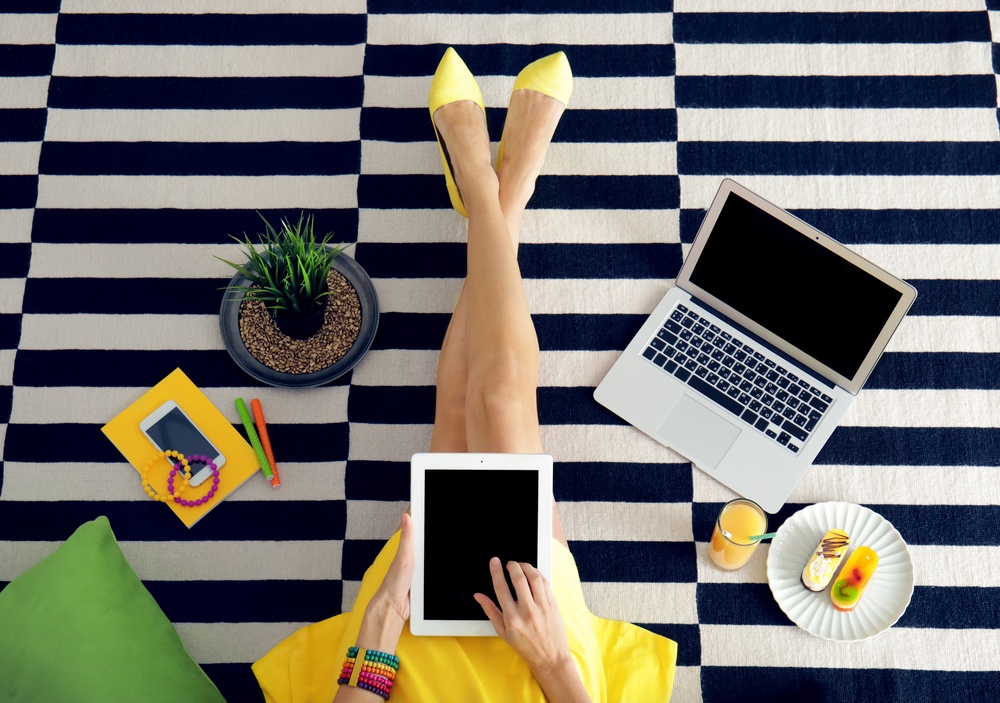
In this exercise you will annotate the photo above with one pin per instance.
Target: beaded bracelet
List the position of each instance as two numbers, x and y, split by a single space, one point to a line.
181 461
198 459
375 673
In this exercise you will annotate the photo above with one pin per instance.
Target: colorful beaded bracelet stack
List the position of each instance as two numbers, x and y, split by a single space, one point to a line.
198 459
181 461
375 673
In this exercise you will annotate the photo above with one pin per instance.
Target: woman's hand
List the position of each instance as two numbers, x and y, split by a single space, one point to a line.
531 625
389 608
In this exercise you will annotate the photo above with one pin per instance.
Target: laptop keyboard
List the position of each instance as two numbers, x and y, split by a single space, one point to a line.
745 380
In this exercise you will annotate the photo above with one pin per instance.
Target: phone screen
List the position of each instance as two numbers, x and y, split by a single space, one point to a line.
174 431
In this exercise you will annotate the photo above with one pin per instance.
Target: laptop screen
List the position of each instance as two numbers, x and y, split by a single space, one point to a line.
791 285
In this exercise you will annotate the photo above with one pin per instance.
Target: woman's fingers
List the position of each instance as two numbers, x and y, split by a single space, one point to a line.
492 612
504 597
520 581
540 590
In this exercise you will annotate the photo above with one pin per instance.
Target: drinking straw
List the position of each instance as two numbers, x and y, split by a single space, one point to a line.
766 535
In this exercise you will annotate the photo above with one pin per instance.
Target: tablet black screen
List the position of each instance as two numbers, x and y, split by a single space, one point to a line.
471 516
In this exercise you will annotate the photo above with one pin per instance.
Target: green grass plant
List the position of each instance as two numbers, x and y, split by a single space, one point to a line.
287 270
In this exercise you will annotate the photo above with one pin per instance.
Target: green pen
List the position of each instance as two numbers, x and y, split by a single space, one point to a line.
241 408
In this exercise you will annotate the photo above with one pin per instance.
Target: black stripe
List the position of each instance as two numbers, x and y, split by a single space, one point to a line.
231 520
384 7
835 91
636 561
508 59
548 261
947 297
378 480
14 260
10 330
59 226
206 93
562 192
769 684
886 226
30 6
967 525
359 554
830 27
26 60
206 30
390 124
738 603
200 159
838 158
18 192
942 371
277 600
22 125
6 404
236 682
62 442
915 446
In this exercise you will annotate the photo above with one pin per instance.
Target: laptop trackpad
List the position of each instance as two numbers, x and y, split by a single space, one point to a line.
697 432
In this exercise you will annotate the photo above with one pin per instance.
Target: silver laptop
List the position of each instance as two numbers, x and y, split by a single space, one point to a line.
747 365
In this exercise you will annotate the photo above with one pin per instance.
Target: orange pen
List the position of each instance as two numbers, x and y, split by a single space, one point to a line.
265 441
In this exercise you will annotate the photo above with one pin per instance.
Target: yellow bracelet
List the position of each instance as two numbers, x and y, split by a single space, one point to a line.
164 497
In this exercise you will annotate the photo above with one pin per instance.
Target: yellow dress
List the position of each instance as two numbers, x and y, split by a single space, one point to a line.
617 661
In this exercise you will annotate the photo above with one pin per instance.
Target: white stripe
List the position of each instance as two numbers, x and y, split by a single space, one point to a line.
626 522
208 61
11 295
233 642
947 334
936 261
621 93
19 158
687 682
545 296
131 332
538 226
203 125
118 482
203 561
28 29
373 519
563 159
221 192
847 125
854 192
402 367
569 29
925 408
6 372
225 7
995 26
829 6
369 442
15 225
833 59
651 603
37 405
348 595
877 485
924 649
24 92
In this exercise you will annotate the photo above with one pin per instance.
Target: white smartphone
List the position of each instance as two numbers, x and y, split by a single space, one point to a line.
168 427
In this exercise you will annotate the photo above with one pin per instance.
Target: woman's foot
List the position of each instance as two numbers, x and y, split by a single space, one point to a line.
462 126
532 118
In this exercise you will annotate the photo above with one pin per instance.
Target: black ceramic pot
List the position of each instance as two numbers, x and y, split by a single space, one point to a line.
304 328
229 324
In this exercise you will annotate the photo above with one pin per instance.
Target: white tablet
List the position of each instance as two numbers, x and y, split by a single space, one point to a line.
466 509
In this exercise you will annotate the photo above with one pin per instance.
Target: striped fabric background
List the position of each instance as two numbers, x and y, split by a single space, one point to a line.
134 137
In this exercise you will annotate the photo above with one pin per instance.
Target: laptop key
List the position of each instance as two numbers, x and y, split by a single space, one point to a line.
672 326
766 413
724 373
670 351
767 400
715 328
771 364
696 342
772 375
666 336
724 385
733 392
800 420
682 346
778 407
713 379
682 308
687 322
783 438
811 424
794 431
777 419
740 355
660 360
819 404
714 366
718 355
701 372
749 416
649 353
659 344
703 359
682 374
744 398
670 367
783 382
750 376
771 433
713 394
677 315
793 447
805 397
826 398
691 365
728 361
788 413
760 382
761 424
755 405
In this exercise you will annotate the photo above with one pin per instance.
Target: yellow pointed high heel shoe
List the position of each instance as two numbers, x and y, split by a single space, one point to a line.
452 82
550 75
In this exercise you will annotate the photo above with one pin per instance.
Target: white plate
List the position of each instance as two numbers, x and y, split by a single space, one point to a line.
884 601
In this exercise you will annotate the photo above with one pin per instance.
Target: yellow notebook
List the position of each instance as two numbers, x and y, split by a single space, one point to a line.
124 433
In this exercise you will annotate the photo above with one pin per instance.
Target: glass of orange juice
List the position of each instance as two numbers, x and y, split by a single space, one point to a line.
731 546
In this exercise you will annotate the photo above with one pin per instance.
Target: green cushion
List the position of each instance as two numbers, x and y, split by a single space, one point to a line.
80 626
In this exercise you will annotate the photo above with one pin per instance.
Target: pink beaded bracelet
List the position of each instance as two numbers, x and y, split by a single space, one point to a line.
197 459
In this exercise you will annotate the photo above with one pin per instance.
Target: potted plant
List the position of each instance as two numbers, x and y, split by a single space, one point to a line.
298 312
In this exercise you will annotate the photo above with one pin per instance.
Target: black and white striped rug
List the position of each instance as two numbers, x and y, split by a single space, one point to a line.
134 136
